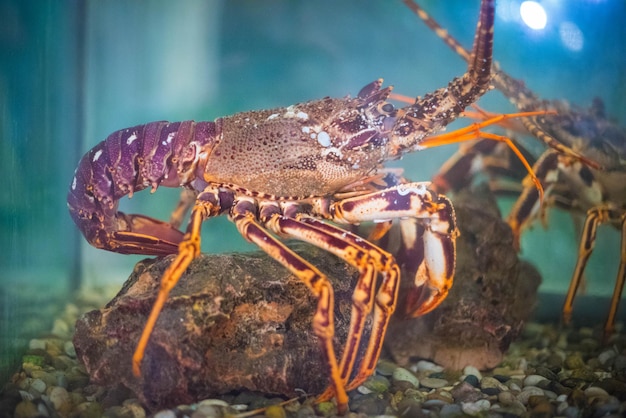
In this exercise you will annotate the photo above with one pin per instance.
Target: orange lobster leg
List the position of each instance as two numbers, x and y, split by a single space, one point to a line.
369 260
474 132
595 217
609 327
243 215
436 267
207 205
527 207
188 250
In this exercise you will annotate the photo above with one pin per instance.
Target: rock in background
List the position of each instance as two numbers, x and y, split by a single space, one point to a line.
242 322
493 295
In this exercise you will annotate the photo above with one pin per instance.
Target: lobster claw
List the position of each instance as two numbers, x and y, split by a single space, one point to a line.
430 252
422 299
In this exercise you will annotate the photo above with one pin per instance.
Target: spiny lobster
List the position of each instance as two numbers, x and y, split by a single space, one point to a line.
280 173
582 170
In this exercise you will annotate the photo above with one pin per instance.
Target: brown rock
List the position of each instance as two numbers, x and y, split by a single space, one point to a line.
492 296
233 322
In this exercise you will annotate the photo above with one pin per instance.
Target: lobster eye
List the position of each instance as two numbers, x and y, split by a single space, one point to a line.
387 108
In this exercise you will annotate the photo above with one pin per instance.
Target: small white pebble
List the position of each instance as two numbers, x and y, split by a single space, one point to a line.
471 370
240 407
165 414
364 390
533 380
475 408
214 402
39 385
426 366
26 396
37 344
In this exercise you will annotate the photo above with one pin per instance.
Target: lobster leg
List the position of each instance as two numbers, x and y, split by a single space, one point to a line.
484 156
186 201
366 257
207 205
436 268
609 327
527 207
145 235
595 217
243 215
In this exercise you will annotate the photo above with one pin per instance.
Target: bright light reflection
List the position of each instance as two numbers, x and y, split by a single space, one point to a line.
533 14
571 36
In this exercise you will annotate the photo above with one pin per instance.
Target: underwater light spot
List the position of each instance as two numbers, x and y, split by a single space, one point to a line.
533 14
571 36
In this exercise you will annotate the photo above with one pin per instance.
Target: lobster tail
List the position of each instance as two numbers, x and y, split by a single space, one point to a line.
127 161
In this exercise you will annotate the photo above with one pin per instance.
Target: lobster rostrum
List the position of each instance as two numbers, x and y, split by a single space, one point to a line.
583 169
281 173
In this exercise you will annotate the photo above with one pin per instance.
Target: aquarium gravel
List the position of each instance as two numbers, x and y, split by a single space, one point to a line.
548 372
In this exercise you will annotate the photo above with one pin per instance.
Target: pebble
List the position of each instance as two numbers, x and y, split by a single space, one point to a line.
275 411
69 349
37 344
375 383
427 366
451 410
527 392
386 367
551 373
26 409
489 382
506 398
409 407
533 380
464 392
472 371
475 408
574 361
60 399
402 374
368 404
472 380
433 382
39 385
596 392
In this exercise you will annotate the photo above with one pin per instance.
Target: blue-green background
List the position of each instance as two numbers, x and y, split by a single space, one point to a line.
71 72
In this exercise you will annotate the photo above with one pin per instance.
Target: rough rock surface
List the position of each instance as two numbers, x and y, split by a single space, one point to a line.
241 321
233 322
494 293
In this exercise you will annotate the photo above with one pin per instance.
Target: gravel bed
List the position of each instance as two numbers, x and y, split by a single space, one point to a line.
549 372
